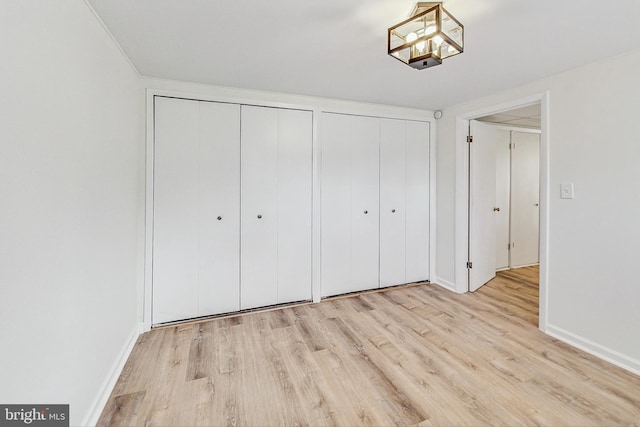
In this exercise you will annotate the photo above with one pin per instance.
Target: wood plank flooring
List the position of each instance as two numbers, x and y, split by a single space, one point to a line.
415 355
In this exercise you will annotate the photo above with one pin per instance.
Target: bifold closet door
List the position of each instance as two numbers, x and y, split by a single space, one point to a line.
417 201
393 212
275 206
349 203
196 209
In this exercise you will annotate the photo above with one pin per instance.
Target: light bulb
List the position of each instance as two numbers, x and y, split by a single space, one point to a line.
411 37
437 40
420 46
430 29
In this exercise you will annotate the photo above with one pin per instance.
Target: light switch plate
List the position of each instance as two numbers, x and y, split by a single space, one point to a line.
566 191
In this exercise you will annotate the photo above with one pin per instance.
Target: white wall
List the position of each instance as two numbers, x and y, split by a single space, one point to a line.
593 285
70 137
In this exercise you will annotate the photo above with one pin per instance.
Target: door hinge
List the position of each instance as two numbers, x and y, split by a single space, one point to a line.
469 264
469 138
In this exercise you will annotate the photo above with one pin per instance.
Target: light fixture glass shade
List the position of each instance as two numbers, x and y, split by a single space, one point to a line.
427 37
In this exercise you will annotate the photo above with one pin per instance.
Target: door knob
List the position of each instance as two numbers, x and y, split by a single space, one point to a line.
496 209
219 218
259 216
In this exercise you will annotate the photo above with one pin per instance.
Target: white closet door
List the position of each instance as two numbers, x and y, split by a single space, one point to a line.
219 208
259 207
196 180
393 184
175 202
417 205
295 132
503 183
350 203
525 182
365 203
276 206
335 216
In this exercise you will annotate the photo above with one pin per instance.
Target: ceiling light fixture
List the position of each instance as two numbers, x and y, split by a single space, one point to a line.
430 35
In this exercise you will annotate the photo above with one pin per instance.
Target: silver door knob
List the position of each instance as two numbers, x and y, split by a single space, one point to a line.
366 212
259 216
496 209
219 218
393 210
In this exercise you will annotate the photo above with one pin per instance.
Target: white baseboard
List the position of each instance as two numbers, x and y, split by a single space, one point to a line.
445 284
598 350
95 410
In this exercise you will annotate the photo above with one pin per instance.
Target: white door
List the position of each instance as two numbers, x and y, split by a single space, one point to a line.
219 221
196 180
259 207
417 202
525 161
393 212
276 206
295 132
482 201
175 210
349 203
503 183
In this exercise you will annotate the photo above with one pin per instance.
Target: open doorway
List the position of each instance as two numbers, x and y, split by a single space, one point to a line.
517 189
477 234
515 213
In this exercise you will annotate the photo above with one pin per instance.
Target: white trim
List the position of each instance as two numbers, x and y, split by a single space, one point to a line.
104 392
523 266
316 249
113 39
148 228
503 127
595 349
282 100
433 136
545 137
445 284
461 243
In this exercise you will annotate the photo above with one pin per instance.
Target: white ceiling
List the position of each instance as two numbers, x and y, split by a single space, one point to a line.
524 117
337 48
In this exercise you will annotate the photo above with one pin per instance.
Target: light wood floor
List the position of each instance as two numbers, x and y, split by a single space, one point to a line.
416 355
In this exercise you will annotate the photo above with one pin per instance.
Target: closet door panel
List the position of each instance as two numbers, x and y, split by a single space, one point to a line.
219 213
393 162
418 194
350 203
335 214
259 234
365 202
294 205
175 223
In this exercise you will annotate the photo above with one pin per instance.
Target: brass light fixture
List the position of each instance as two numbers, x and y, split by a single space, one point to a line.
430 35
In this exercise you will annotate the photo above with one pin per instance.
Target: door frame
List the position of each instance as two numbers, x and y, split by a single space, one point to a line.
462 193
